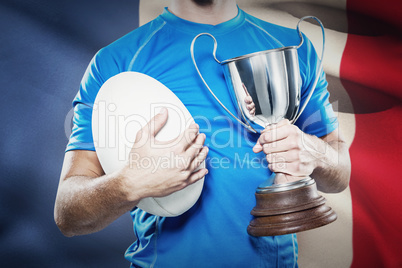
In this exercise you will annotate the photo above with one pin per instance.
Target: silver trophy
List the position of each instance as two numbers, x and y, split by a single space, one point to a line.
265 87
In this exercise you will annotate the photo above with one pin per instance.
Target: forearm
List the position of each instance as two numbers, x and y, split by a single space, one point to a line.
85 205
332 165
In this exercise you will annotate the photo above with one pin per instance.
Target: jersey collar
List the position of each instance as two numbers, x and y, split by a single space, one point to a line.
193 27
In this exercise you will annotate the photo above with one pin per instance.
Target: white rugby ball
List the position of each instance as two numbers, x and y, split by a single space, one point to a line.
124 104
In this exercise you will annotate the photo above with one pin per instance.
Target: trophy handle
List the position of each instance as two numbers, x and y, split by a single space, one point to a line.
205 83
319 67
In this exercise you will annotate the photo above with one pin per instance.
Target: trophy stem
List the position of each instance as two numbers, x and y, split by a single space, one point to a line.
267 183
289 208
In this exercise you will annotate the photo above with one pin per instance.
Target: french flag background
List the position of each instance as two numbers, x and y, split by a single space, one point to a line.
45 47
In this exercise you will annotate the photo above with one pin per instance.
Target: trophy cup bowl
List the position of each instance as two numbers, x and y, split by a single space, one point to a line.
270 81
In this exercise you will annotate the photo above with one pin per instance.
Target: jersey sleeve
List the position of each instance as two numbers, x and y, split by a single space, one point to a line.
318 118
97 72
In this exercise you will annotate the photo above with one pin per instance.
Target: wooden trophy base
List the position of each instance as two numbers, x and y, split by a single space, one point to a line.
289 210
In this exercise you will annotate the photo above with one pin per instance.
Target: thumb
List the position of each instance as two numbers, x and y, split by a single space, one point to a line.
157 122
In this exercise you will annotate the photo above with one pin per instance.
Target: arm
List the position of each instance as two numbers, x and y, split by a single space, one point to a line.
88 200
333 168
297 154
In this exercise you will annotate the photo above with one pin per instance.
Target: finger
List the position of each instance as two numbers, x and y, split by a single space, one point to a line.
283 139
257 147
196 146
245 89
272 133
252 112
284 145
199 158
269 140
156 123
248 100
183 141
283 157
197 175
250 106
188 136
277 134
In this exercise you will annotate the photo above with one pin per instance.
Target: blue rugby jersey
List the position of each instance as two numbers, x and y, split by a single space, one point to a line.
213 232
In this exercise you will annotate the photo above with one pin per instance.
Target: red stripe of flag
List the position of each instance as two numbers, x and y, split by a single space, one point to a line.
371 71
